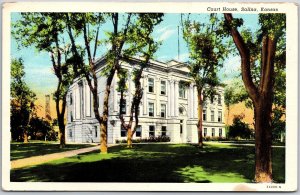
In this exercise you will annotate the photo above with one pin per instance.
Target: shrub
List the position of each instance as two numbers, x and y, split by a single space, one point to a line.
149 139
215 138
239 129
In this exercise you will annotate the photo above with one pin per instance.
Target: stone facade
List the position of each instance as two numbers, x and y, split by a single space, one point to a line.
168 107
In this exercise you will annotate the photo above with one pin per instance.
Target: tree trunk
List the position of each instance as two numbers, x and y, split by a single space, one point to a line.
61 125
25 131
104 121
103 136
25 136
60 113
228 110
263 141
261 98
129 137
200 110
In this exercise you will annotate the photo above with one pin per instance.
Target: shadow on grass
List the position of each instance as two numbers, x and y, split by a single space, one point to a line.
154 163
21 150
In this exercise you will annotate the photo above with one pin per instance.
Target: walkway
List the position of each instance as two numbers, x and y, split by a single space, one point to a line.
35 160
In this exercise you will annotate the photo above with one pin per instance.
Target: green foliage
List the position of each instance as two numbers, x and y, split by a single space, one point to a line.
22 100
45 31
278 124
40 128
235 92
240 129
139 42
214 138
272 24
207 51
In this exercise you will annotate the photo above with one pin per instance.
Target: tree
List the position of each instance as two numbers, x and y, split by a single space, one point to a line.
234 93
207 54
140 43
41 129
260 92
79 24
239 129
45 32
22 102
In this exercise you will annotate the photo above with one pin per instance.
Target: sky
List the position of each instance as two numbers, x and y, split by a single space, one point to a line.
41 79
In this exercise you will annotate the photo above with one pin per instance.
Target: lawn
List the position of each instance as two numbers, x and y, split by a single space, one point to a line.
20 150
156 163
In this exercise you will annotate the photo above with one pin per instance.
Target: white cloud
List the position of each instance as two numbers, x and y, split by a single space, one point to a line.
165 32
163 28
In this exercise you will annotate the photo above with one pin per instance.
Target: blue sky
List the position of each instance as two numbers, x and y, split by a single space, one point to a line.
38 68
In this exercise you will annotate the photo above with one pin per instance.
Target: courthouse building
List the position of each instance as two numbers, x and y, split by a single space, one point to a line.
168 106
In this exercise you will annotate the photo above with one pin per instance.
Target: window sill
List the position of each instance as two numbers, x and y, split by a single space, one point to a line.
181 98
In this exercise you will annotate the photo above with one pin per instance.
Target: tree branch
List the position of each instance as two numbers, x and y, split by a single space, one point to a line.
245 58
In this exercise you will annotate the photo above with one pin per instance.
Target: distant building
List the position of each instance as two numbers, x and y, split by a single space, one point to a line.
47 108
168 107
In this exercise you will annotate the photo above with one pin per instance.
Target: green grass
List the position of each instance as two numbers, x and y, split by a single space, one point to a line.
156 163
20 150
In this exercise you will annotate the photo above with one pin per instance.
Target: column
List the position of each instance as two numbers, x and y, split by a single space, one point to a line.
128 103
195 96
169 98
145 94
116 105
77 102
176 97
190 102
157 91
172 98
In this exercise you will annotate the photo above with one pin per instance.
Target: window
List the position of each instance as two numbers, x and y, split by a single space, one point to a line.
150 85
151 109
123 107
220 132
138 132
213 132
204 115
96 132
70 133
163 131
220 116
212 115
151 131
71 114
181 110
123 132
71 99
181 128
211 100
163 87
219 99
181 90
205 132
163 110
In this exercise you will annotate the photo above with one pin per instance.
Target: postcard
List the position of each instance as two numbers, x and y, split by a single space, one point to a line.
149 96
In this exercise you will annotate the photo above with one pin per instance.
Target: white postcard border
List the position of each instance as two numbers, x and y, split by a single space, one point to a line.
171 7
